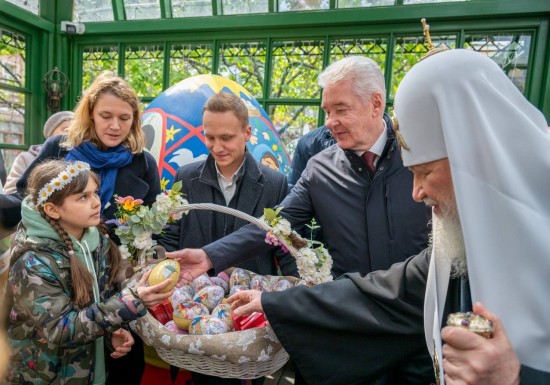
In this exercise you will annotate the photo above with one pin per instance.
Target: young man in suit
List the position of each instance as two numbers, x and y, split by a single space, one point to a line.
229 176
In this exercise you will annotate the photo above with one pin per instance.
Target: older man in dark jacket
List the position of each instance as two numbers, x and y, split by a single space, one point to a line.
358 190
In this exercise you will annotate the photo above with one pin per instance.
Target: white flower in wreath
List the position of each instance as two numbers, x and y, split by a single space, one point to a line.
282 227
243 360
219 358
165 339
246 339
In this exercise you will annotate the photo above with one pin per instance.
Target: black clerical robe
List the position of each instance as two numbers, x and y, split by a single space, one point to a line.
353 329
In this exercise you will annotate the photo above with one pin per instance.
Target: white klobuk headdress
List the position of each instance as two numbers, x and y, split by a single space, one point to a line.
460 105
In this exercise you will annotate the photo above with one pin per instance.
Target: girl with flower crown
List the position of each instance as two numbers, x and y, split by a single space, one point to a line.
106 133
66 312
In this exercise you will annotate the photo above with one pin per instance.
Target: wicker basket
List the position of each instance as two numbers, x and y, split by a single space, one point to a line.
246 354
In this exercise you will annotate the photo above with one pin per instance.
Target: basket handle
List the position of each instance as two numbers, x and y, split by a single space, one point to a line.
239 214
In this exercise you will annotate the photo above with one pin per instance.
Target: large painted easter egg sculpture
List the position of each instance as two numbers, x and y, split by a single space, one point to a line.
173 126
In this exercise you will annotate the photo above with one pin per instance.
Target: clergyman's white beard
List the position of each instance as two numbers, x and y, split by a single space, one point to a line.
448 240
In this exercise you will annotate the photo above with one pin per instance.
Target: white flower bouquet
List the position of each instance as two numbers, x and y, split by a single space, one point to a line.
136 223
312 259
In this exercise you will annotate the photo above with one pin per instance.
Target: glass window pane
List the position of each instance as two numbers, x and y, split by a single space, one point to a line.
235 7
373 48
245 64
30 5
143 69
301 5
142 9
188 60
9 155
96 60
93 10
295 67
292 122
405 2
363 3
12 58
409 50
12 117
188 8
509 50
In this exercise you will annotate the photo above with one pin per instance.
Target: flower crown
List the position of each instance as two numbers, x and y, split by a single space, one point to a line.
60 181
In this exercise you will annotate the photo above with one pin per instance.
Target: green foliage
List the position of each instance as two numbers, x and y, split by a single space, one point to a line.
272 216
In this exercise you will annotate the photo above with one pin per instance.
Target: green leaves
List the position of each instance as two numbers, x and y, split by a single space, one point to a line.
272 216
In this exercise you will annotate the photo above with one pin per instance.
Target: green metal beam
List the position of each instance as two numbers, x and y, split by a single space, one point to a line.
165 9
379 16
63 10
22 18
119 11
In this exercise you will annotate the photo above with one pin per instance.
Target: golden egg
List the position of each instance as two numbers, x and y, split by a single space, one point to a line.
164 270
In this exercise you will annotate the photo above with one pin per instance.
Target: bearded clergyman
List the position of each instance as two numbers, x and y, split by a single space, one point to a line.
480 155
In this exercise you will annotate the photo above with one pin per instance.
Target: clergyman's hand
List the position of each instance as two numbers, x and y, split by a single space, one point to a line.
246 302
469 358
193 263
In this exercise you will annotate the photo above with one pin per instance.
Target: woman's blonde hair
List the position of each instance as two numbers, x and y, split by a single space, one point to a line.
82 128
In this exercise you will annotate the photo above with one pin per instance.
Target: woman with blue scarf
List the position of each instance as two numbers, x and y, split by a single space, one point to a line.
106 133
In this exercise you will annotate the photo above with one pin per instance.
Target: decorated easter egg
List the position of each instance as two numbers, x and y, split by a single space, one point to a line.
164 270
182 294
221 283
237 288
186 311
209 296
223 275
281 285
261 283
239 277
171 325
200 282
174 135
207 325
223 311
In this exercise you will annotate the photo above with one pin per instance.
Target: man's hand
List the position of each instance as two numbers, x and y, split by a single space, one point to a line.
193 263
152 295
122 342
472 359
246 302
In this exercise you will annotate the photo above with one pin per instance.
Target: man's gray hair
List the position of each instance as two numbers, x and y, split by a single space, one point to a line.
366 75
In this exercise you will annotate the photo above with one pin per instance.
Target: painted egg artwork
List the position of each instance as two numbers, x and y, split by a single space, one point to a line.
164 270
173 126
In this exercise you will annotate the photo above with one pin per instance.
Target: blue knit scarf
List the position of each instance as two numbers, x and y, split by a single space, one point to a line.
105 162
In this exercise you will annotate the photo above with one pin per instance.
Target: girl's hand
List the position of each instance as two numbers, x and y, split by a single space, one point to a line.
152 295
122 342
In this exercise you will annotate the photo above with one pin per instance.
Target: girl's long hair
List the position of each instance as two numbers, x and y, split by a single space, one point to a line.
42 174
